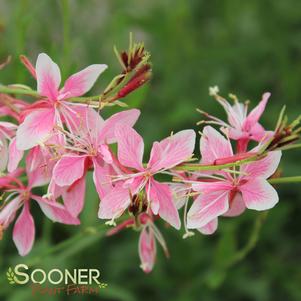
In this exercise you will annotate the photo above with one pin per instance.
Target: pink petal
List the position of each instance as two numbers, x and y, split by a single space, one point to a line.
258 133
173 150
236 134
263 168
237 206
56 212
128 117
35 159
105 153
237 115
206 208
35 128
39 177
114 203
162 194
69 169
7 213
130 147
82 120
102 178
54 190
209 187
48 76
82 81
15 156
256 113
259 195
41 174
179 192
8 127
214 145
74 197
210 228
147 249
24 231
234 113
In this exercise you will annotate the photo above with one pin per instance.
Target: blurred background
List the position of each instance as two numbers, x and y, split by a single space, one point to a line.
244 47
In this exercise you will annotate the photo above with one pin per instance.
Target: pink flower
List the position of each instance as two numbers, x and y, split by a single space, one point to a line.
147 249
20 197
227 193
149 234
165 154
89 143
242 126
42 116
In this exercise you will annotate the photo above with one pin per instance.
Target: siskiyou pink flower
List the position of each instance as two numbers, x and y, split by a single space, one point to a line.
88 150
227 193
20 197
165 154
42 117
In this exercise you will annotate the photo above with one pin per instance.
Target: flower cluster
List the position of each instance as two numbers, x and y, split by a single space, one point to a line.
55 141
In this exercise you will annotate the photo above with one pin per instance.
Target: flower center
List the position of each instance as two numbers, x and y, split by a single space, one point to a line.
25 195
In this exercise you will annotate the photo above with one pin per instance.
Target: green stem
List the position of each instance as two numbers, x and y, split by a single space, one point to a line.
85 99
200 167
291 146
11 90
283 180
252 241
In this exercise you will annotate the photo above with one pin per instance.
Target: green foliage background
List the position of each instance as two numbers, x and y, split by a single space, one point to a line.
245 47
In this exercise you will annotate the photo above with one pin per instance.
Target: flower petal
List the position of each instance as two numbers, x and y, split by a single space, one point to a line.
147 249
259 194
214 145
35 128
7 213
206 208
173 150
130 147
256 113
114 203
82 81
210 228
102 178
258 133
56 212
15 156
162 194
48 76
263 168
24 231
69 169
237 206
74 197
107 132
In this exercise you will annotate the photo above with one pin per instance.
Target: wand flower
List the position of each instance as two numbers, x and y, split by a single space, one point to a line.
88 148
20 196
165 155
242 126
42 116
229 194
